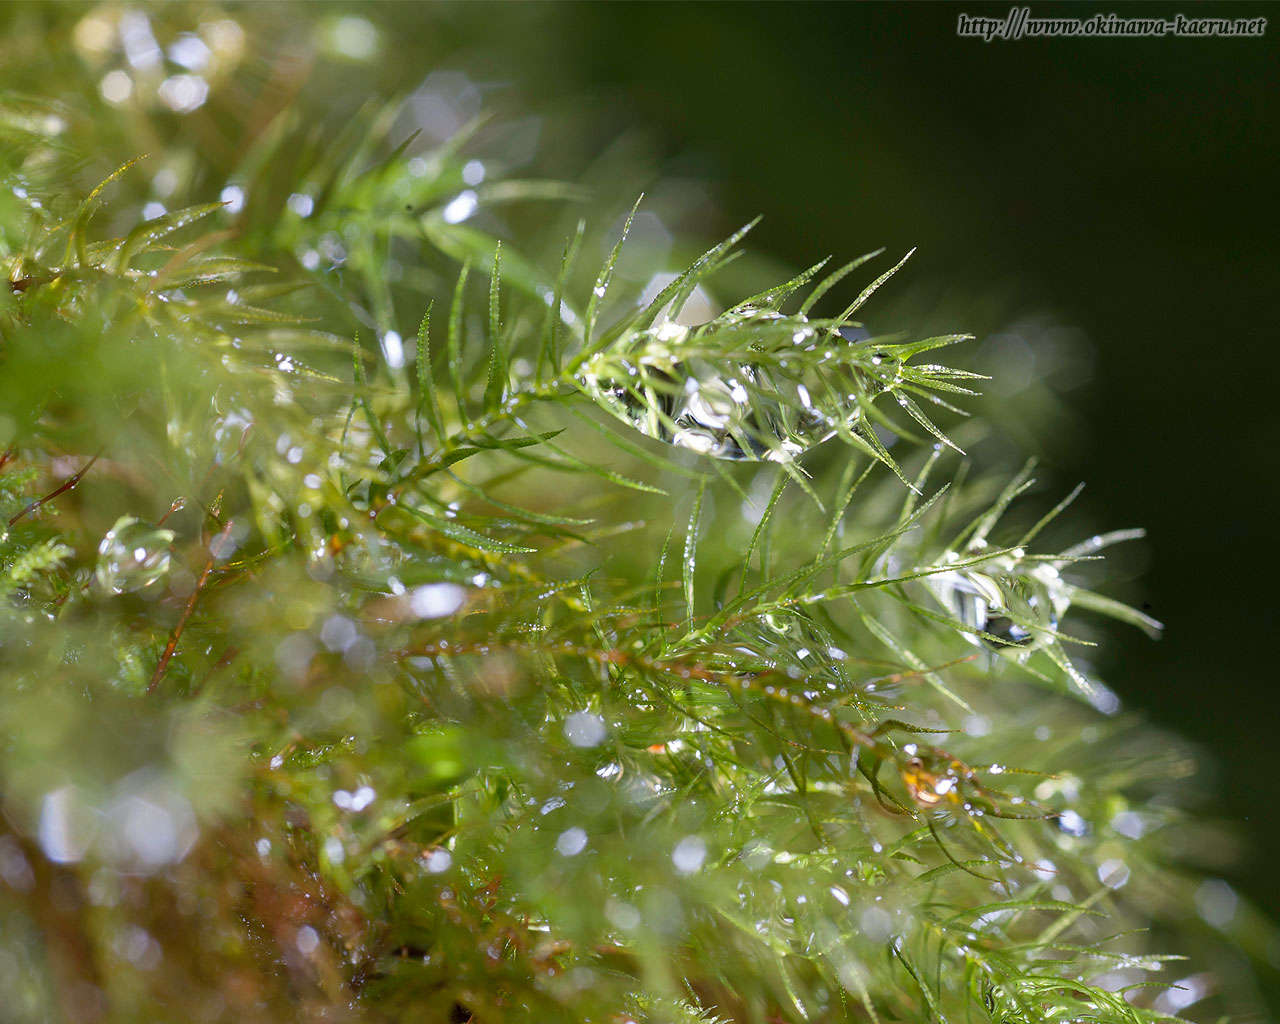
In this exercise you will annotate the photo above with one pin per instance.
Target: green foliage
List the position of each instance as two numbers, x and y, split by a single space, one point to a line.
335 689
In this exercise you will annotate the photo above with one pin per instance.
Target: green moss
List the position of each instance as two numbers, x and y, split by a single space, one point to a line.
595 667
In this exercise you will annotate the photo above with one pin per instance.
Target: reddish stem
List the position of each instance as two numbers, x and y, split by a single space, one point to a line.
178 505
172 645
53 494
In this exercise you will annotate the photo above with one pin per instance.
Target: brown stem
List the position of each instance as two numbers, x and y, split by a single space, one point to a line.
172 645
53 494
178 505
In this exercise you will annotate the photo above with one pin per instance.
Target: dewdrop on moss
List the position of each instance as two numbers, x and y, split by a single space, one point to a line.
733 410
133 555
1013 602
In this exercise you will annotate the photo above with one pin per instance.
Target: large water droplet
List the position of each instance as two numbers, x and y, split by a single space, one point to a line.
736 409
1015 602
1072 824
133 555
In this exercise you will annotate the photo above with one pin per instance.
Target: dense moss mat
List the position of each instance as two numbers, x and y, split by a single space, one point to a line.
584 657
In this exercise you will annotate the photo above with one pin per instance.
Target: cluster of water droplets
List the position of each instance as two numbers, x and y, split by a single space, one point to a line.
133 555
1017 602
743 411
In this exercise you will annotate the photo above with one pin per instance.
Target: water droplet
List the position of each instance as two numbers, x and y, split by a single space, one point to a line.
190 51
116 86
233 197
926 787
571 842
334 850
1113 873
308 940
623 915
393 349
1072 824
1130 824
460 207
183 93
689 854
67 825
1217 902
133 555
1046 870
584 729
877 924
350 36
1015 603
301 204
436 600
736 411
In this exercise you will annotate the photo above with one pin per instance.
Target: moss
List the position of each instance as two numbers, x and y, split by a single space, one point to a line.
576 662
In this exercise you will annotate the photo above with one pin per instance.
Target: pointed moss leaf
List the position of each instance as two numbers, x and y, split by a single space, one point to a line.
527 190
427 397
158 227
1116 610
605 277
80 222
887 637
907 349
241 313
834 278
1095 544
466 448
774 297
394 156
762 531
465 535
1050 516
565 461
549 349
679 291
496 385
690 555
635 451
917 414
212 270
870 289
456 368
528 515
847 492
363 397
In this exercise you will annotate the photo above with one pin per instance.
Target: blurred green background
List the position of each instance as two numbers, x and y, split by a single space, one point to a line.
1101 213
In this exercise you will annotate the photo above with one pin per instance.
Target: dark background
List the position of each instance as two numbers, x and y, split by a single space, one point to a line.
1125 186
